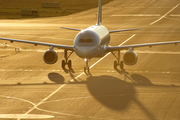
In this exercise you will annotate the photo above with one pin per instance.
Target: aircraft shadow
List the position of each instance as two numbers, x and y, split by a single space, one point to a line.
110 91
56 78
115 93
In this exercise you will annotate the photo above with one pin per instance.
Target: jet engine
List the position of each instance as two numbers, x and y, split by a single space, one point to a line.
50 57
130 58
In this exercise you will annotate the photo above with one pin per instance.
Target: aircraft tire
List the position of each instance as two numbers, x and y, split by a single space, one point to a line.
88 70
85 69
122 65
63 64
115 64
69 63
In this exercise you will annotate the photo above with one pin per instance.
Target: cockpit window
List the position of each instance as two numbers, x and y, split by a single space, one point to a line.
82 40
88 40
85 40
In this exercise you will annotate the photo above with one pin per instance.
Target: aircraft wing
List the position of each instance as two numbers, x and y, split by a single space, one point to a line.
116 48
41 43
113 31
71 28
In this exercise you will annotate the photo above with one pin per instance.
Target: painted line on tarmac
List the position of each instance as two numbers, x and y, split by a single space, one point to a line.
151 2
43 100
137 15
23 116
164 15
175 15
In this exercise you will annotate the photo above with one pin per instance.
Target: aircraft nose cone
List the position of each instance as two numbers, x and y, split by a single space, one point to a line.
86 52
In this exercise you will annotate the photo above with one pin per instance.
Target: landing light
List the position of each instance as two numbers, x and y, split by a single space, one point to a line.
85 59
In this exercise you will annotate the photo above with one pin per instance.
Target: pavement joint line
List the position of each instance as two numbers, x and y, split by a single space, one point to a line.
43 100
165 14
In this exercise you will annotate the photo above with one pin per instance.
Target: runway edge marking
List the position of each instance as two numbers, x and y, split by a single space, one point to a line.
43 100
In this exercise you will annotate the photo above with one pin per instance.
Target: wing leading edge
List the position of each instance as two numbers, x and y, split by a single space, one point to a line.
70 28
41 43
116 48
113 31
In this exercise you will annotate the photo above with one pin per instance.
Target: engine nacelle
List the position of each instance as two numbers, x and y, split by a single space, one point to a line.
50 57
130 58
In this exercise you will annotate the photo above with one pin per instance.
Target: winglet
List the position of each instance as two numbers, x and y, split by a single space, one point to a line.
99 14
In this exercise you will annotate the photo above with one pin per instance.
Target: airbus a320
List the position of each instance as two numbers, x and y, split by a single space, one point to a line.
92 42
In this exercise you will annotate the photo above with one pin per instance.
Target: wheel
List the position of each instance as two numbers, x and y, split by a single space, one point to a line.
69 63
88 69
115 64
63 64
85 69
122 65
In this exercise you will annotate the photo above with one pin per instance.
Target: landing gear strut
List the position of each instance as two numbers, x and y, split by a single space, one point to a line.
118 62
66 61
86 69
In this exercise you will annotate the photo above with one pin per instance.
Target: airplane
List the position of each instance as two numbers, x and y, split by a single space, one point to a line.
92 42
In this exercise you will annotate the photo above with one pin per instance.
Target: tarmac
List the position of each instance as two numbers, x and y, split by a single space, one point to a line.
148 90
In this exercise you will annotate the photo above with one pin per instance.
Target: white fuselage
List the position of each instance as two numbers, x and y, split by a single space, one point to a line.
92 42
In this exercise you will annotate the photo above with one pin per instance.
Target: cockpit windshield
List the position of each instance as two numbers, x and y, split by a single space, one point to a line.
85 40
82 40
88 40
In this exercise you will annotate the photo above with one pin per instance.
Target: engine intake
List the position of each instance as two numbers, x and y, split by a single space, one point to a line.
50 57
130 58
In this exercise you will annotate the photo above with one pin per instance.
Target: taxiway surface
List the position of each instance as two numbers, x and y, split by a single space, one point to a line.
149 90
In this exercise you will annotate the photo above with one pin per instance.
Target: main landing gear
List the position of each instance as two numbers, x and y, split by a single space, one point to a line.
66 61
118 62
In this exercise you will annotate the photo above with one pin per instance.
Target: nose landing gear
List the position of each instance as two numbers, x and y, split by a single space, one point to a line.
86 69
